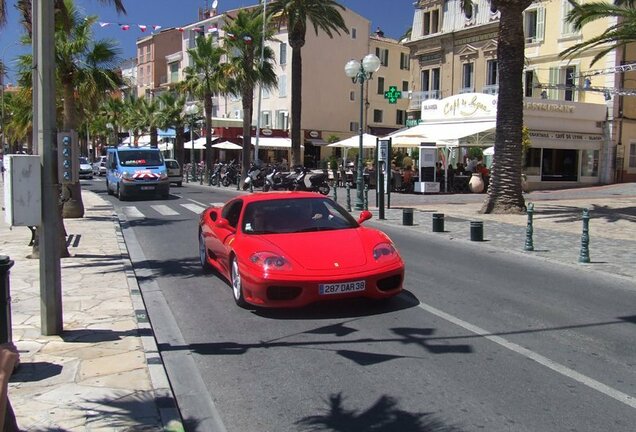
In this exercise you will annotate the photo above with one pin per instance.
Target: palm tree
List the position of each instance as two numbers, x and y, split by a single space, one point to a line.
504 193
617 36
171 115
244 39
323 15
132 118
204 79
112 111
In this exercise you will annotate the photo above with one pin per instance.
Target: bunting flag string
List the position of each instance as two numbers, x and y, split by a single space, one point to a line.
144 27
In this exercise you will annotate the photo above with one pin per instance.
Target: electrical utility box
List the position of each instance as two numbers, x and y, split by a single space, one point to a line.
22 190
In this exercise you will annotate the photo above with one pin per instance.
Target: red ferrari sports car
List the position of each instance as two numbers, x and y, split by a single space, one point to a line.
289 249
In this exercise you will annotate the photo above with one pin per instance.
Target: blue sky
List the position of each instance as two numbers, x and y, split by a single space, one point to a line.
394 17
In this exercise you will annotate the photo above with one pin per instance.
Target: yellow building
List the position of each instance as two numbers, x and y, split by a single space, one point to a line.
455 52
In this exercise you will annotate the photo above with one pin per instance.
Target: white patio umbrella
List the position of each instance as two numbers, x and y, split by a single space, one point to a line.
368 141
489 151
226 145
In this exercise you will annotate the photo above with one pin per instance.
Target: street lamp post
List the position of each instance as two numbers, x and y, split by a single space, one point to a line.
361 72
192 110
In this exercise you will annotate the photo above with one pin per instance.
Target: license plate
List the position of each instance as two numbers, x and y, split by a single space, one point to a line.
147 188
342 287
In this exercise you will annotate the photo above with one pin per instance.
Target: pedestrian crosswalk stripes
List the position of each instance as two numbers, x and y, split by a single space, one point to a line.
164 210
193 208
157 210
132 212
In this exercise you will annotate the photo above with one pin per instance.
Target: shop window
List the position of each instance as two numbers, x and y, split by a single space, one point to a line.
632 155
532 163
559 165
589 163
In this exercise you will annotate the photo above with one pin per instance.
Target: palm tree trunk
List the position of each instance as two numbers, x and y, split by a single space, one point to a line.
504 192
296 102
154 142
73 206
178 145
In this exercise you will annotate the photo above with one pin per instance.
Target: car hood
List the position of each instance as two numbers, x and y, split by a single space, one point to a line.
325 250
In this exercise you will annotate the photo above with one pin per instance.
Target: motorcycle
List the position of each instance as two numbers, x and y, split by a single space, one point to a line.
279 180
215 177
255 177
313 181
230 175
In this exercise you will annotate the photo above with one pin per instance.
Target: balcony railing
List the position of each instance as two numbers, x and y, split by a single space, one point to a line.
467 90
490 89
418 97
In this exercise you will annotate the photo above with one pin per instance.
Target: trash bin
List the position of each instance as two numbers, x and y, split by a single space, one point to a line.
438 222
5 300
476 231
407 216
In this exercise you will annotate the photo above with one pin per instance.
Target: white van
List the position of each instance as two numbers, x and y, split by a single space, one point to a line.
174 172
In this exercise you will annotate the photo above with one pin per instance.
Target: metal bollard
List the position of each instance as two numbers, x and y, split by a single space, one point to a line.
407 216
584 255
5 300
348 197
529 246
335 192
438 222
366 197
476 231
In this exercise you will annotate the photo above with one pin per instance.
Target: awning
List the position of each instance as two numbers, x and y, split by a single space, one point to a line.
317 141
489 151
272 142
165 146
443 133
368 141
141 140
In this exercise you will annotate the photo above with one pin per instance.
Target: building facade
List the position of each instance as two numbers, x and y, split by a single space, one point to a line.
152 51
455 52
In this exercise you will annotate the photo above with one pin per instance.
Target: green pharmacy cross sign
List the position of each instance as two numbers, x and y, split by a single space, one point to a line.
393 94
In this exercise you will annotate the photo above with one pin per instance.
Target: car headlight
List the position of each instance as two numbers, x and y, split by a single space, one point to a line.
126 175
384 252
270 261
163 176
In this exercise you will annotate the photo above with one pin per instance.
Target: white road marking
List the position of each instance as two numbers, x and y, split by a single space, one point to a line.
133 212
164 210
217 204
194 208
197 202
544 361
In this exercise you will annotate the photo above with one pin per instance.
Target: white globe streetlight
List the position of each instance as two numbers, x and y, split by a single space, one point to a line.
361 71
191 110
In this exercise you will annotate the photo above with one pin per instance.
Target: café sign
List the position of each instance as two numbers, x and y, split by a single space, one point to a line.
462 106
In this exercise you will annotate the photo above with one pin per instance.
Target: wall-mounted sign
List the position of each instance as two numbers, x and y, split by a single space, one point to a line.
314 134
462 106
266 132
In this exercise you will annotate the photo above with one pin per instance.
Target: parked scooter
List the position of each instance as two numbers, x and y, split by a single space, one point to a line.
230 175
313 181
279 180
255 177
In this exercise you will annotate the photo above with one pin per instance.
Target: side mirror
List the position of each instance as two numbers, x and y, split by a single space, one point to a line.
225 224
364 216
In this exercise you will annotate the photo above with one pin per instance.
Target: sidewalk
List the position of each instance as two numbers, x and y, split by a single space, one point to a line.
557 224
104 372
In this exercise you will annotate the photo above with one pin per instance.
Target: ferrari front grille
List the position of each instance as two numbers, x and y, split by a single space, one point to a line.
390 283
283 292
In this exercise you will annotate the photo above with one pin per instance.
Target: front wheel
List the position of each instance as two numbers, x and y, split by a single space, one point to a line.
203 259
237 287
324 189
266 187
226 181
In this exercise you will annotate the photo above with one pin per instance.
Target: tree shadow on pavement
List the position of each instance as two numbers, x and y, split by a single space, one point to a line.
186 267
383 416
97 335
35 371
567 214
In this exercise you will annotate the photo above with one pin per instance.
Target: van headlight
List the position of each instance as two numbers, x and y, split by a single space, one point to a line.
163 176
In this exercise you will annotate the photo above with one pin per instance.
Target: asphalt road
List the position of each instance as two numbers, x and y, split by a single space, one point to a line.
480 340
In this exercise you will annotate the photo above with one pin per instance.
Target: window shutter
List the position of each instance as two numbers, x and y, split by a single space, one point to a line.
418 24
554 79
540 23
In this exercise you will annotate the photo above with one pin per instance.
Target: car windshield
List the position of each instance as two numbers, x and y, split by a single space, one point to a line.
172 164
83 160
138 158
280 216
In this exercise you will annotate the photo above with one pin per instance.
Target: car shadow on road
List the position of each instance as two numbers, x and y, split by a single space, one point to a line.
383 415
346 308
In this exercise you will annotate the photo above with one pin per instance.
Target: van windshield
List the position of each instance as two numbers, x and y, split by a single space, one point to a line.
138 158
